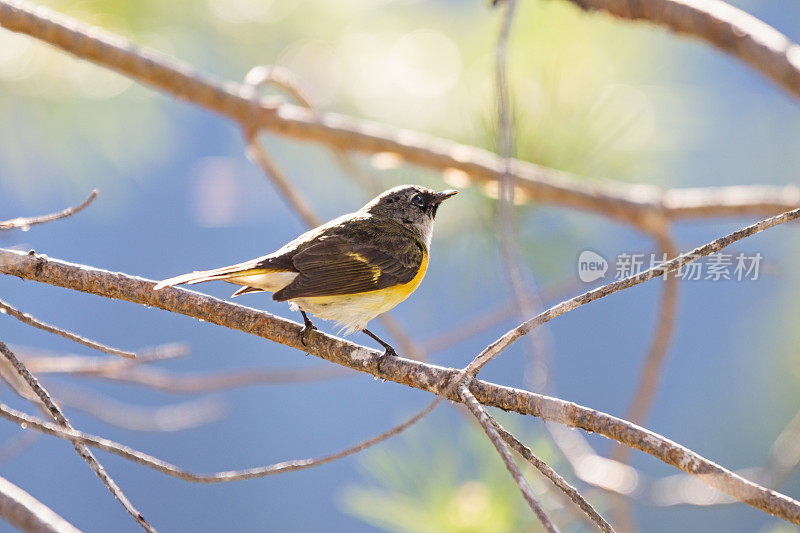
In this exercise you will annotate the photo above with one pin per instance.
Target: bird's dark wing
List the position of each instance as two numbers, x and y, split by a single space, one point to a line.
337 264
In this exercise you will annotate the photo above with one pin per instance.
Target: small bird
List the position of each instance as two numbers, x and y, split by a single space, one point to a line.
349 270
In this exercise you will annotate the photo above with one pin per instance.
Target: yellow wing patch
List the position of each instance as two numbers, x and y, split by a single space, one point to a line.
376 270
353 311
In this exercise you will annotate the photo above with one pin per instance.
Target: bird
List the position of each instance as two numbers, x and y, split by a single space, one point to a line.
348 270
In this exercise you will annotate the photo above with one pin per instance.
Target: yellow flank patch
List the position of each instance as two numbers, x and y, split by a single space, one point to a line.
376 270
353 311
397 293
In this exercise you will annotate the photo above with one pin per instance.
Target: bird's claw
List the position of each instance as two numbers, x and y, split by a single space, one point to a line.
304 333
388 352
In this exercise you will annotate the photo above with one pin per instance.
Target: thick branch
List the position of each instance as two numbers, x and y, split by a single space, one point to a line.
731 30
26 513
415 374
637 205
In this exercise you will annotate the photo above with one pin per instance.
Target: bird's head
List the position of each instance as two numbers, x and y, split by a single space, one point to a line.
411 205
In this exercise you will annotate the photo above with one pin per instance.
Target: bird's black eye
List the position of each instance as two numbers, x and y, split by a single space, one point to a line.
418 201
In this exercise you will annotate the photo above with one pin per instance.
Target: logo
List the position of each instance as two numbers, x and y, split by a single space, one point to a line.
591 266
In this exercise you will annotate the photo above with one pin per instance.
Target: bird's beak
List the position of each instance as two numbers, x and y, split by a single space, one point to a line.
440 197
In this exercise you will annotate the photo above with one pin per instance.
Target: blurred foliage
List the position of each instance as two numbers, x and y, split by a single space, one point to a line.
429 483
574 109
420 65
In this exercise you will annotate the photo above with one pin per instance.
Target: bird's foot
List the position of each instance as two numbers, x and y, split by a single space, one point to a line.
308 328
388 352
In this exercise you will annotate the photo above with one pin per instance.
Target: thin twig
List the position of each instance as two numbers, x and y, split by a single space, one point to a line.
149 461
526 302
82 450
553 476
188 384
659 270
488 425
25 318
414 374
285 80
295 200
510 253
634 204
26 222
162 418
48 362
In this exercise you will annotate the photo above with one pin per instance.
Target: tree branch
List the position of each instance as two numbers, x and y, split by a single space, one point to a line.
149 461
26 513
762 47
423 376
488 425
25 318
633 204
24 223
674 264
555 478
82 450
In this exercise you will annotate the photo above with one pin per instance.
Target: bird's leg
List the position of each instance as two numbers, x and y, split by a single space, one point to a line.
306 328
388 350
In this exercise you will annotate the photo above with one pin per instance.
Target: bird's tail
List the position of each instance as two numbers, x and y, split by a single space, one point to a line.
199 276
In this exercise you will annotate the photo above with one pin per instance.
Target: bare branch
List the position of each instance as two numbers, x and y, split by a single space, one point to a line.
512 261
25 318
279 180
47 362
187 384
24 223
82 450
488 425
217 477
26 513
634 204
626 283
163 418
285 80
415 374
553 476
721 25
